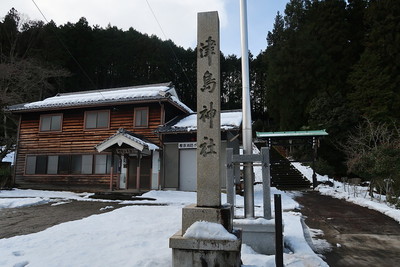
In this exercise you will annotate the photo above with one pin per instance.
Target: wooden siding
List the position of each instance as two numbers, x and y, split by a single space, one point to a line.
74 139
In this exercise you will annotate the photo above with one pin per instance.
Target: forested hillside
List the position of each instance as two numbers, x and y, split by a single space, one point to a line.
335 65
329 64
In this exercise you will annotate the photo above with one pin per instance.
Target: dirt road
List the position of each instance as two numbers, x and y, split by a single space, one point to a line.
360 236
22 221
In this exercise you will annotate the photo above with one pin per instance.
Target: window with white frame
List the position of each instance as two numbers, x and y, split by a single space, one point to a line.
70 164
141 117
50 122
102 164
99 119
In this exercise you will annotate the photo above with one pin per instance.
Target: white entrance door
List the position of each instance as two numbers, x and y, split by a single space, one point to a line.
188 169
122 176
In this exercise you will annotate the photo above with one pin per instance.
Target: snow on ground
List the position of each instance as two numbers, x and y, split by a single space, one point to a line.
294 239
134 235
352 193
129 236
318 243
139 235
168 197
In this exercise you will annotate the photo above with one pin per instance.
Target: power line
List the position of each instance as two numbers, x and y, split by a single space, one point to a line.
169 45
66 48
82 69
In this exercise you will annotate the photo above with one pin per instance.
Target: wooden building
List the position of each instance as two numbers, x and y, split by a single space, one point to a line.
94 140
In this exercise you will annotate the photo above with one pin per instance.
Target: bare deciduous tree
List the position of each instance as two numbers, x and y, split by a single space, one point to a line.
23 81
373 152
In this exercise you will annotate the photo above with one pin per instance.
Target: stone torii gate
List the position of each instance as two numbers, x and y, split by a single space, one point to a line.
293 138
231 176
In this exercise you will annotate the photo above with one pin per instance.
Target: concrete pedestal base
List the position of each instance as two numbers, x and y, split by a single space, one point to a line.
260 237
193 213
201 252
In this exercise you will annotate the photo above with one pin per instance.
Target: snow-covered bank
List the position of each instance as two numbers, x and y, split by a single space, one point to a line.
355 194
22 202
361 198
24 193
27 197
301 255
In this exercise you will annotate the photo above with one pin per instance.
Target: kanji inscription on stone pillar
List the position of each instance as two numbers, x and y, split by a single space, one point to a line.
208 111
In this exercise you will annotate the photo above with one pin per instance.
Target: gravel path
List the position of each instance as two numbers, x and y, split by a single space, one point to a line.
360 236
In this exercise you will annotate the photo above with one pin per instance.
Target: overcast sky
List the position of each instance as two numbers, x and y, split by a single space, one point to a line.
177 18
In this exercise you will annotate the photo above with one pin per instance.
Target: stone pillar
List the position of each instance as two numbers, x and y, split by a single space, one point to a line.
208 111
208 206
195 251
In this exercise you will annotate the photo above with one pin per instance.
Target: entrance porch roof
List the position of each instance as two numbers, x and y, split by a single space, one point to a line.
123 136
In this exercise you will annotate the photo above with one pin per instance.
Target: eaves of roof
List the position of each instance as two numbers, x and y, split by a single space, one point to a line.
105 97
20 108
162 130
292 134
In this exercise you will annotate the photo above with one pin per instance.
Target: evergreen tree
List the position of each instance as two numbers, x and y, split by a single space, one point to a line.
375 78
231 82
290 59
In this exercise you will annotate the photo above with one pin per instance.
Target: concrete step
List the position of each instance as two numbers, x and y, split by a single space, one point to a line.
283 175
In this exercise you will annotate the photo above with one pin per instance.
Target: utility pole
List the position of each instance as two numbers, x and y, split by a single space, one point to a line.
246 109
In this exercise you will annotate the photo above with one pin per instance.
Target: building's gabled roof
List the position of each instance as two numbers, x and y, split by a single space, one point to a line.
114 96
291 134
230 120
123 136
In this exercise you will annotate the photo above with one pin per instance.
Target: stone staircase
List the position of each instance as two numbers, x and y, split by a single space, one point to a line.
283 175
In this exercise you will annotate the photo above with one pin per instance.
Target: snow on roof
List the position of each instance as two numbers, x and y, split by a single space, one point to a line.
177 101
229 120
132 93
9 157
148 145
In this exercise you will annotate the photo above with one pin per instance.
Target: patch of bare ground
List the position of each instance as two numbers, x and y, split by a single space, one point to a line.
27 220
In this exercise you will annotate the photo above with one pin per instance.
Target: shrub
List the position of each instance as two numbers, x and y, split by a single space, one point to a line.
324 168
5 177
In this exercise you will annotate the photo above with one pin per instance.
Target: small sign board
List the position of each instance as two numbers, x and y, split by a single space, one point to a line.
187 145
123 151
